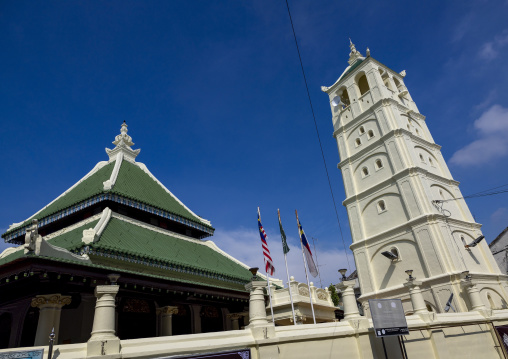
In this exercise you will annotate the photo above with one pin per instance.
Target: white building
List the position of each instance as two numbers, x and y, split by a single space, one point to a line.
401 197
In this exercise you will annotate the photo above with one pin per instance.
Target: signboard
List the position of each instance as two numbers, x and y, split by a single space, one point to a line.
388 317
234 354
26 354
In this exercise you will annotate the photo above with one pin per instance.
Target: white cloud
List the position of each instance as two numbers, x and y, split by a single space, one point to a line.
490 50
245 245
500 216
492 128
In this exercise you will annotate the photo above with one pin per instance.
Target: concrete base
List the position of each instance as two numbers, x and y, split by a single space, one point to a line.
102 348
262 332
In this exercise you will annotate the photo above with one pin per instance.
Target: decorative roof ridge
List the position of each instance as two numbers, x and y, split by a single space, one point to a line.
97 167
123 144
108 185
147 171
73 226
151 227
92 235
10 250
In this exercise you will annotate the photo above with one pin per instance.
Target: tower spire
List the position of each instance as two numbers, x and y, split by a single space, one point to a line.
123 144
354 54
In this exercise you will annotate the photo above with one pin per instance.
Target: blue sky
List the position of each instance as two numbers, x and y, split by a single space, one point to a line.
214 97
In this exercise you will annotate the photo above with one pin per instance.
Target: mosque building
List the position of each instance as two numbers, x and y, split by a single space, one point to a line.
118 256
118 220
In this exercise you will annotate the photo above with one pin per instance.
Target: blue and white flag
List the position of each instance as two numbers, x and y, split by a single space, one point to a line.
306 250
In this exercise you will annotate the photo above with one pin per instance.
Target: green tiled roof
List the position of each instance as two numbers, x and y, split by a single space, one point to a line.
140 247
133 240
70 240
91 186
351 69
11 257
132 182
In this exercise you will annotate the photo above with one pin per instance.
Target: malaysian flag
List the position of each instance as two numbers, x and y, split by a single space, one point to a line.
270 269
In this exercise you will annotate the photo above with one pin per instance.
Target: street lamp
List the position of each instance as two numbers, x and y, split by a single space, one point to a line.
343 273
409 272
254 272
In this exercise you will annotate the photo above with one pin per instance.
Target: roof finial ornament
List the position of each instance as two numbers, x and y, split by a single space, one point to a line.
123 144
354 54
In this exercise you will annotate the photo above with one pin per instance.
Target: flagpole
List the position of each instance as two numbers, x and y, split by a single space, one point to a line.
289 281
270 296
305 267
268 280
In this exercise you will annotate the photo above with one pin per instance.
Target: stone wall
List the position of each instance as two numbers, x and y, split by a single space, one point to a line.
453 335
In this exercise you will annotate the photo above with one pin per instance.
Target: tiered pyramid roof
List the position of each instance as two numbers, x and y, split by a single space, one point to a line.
126 242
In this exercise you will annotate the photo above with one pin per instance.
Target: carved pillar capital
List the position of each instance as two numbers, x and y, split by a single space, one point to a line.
50 306
167 310
50 300
234 316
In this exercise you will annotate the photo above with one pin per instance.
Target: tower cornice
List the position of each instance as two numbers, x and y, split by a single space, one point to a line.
407 227
405 111
411 171
393 133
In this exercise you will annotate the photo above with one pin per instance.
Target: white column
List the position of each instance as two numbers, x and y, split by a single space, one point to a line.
196 318
257 311
474 294
234 319
166 317
50 306
104 340
416 296
349 299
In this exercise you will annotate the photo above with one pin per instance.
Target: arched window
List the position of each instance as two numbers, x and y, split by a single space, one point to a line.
370 134
358 142
463 240
395 251
421 158
491 302
386 82
397 83
362 130
429 308
379 164
381 207
430 161
417 132
409 127
344 98
365 172
363 85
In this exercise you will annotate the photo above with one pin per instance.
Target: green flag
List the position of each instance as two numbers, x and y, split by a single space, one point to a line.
285 247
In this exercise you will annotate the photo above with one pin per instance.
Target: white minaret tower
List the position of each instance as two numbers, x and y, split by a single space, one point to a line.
393 175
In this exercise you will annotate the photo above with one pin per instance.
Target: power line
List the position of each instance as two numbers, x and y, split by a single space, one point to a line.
479 194
317 132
